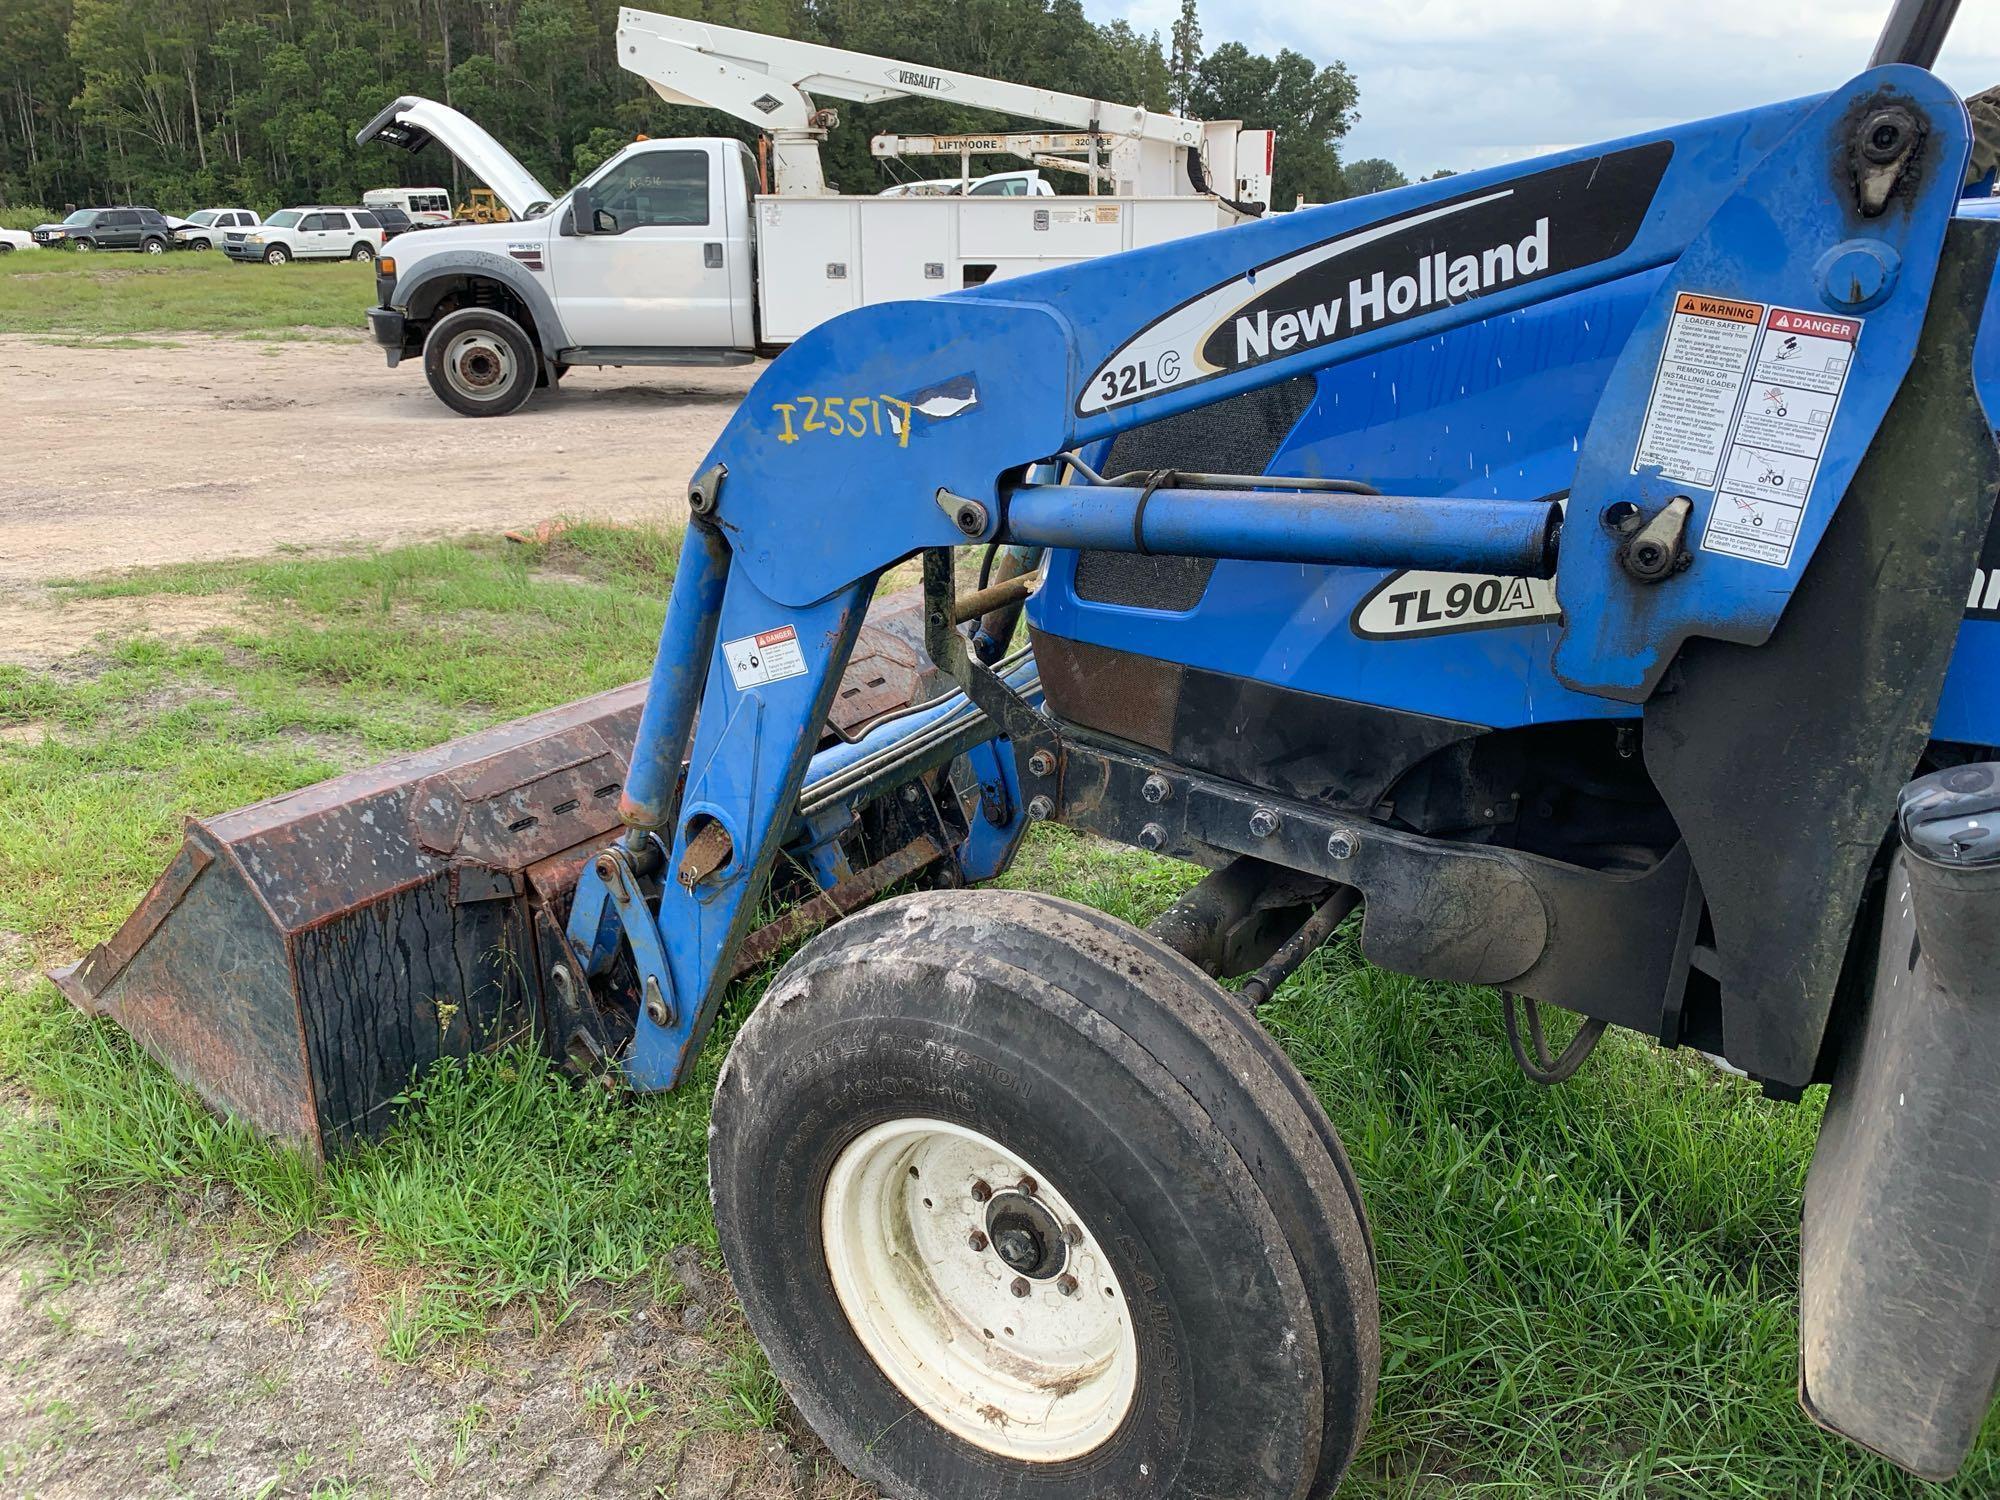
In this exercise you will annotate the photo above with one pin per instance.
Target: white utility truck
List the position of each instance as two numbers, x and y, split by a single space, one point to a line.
672 252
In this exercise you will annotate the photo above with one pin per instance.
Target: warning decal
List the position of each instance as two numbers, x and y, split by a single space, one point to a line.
1801 366
1708 348
768 656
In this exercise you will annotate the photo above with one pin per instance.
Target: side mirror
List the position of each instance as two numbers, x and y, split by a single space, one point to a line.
579 219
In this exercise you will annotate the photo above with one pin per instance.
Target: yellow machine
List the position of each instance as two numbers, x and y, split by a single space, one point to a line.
481 207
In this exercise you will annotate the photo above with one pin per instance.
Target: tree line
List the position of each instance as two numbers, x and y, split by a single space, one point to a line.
185 103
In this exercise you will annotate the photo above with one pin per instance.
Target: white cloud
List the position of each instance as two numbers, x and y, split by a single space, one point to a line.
1469 83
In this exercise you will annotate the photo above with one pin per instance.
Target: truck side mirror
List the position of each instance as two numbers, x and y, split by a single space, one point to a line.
581 218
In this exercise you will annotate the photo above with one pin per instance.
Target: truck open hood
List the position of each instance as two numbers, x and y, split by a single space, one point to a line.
412 123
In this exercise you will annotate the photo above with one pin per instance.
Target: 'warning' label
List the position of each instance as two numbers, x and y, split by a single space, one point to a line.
768 656
1695 391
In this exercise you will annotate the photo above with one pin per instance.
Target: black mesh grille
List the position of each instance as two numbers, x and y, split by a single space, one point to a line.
1142 582
1237 436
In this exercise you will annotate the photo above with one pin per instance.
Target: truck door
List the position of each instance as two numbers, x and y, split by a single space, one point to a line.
651 270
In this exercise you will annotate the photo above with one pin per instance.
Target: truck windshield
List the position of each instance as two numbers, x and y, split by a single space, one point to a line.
81 216
202 216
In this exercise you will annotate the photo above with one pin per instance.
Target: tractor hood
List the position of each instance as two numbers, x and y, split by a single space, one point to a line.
412 123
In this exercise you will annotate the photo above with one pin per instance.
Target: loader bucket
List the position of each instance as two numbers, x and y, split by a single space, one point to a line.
302 960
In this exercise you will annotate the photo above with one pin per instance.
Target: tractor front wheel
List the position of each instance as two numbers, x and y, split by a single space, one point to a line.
1018 1205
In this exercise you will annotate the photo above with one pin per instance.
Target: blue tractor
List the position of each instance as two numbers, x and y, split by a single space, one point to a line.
1584 568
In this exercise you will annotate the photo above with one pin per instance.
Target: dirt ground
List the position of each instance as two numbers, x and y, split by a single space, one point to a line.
176 1356
195 448
178 1362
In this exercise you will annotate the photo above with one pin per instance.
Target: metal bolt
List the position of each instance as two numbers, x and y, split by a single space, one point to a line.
1157 789
971 518
1152 836
656 1003
607 868
981 1192
1040 807
1066 1284
1883 137
564 983
1263 822
1041 763
706 490
1341 844
1027 1185
1858 274
976 1240
1020 1288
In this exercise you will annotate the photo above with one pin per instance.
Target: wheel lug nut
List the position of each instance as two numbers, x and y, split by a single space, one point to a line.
1026 1185
976 1240
1020 1287
981 1192
1066 1284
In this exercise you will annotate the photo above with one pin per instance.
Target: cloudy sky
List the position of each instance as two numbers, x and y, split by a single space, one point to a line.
1469 83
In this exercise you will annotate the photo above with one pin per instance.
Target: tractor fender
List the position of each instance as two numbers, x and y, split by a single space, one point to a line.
1899 1308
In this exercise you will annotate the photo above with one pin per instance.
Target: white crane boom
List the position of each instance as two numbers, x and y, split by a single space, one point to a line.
773 83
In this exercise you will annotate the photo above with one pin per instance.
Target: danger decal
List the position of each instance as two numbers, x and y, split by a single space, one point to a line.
1454 252
766 657
1742 401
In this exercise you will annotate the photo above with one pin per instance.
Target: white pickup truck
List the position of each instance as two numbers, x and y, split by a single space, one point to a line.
668 255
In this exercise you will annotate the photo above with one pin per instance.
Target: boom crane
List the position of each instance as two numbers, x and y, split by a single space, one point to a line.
774 83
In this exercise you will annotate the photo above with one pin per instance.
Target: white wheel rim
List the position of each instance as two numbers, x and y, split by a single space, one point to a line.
479 365
1038 1378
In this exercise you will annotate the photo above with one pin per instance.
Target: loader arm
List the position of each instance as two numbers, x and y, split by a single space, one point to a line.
917 426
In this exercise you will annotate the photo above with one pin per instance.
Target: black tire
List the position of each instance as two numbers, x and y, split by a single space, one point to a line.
1180 1144
362 251
1335 1249
277 255
480 362
82 245
153 245
6 248
199 245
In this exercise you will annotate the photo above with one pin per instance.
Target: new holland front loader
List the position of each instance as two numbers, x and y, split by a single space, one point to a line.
1584 568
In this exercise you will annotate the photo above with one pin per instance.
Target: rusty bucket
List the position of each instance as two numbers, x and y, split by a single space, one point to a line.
303 959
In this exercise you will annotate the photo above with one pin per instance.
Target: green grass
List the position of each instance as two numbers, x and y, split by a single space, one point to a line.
113 295
1585 1291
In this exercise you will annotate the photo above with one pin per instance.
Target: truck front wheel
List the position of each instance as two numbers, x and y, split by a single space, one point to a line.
481 363
1018 1207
